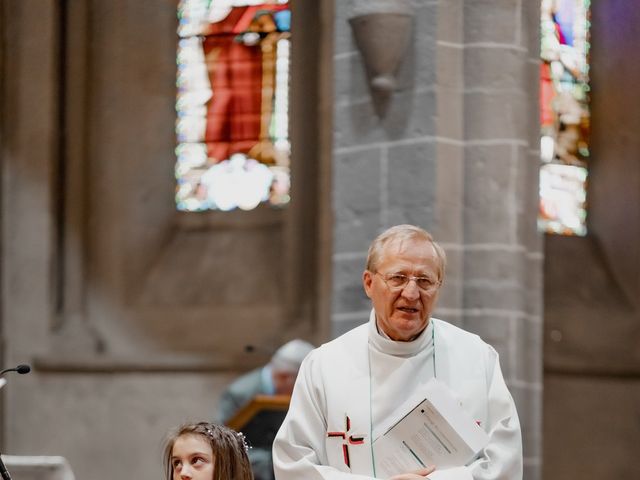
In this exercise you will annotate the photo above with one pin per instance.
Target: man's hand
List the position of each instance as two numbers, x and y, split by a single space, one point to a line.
415 475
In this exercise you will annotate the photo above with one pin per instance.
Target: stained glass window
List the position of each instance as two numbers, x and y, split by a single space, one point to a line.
564 116
232 104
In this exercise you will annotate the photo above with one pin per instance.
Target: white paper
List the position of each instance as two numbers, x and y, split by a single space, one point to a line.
435 431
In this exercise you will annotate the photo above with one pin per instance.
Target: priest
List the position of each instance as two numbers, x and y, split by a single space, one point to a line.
348 389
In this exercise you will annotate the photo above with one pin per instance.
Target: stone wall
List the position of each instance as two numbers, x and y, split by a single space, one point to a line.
87 273
592 284
134 316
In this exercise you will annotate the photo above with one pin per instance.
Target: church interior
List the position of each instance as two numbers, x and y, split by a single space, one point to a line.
186 185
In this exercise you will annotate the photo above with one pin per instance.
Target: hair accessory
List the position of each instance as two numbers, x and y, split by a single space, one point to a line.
244 441
209 432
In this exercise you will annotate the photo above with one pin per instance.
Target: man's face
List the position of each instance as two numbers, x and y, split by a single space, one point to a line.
283 382
403 313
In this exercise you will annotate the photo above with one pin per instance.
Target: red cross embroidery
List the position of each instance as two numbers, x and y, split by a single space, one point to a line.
350 440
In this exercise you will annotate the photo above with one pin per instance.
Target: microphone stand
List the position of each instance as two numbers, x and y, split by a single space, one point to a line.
4 473
21 369
3 470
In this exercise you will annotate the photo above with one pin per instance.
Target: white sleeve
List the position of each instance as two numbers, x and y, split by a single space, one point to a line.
502 457
299 446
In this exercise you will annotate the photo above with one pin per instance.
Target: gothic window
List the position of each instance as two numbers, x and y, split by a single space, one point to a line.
564 116
232 104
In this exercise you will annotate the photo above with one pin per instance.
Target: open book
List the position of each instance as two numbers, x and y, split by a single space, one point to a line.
432 430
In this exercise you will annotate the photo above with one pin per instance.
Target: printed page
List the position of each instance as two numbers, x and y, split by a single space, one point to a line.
436 431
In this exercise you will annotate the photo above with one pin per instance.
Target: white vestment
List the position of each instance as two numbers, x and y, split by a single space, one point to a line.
365 377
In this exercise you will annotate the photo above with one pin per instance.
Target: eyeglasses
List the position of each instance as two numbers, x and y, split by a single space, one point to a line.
398 281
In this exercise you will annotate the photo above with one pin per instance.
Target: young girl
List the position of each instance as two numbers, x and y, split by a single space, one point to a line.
206 451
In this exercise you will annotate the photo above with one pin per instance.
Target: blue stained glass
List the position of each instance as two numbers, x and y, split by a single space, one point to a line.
283 20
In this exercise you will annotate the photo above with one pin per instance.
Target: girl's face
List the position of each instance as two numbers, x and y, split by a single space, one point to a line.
192 458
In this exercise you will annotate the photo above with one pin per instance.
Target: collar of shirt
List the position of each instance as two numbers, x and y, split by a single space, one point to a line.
381 341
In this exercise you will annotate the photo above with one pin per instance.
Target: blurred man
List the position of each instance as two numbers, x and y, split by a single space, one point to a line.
275 378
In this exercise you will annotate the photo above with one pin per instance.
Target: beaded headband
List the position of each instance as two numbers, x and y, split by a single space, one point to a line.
240 436
244 442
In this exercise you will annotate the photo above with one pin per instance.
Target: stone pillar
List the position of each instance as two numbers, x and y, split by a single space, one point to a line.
502 260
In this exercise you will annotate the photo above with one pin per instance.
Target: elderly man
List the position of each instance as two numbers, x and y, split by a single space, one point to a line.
356 382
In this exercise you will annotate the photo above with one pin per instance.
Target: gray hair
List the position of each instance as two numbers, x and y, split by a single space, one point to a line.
289 356
404 232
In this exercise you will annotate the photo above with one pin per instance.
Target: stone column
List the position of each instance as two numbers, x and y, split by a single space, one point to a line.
502 250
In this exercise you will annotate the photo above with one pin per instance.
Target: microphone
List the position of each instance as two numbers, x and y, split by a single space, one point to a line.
21 369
